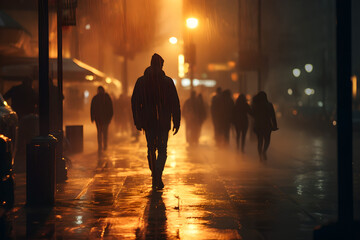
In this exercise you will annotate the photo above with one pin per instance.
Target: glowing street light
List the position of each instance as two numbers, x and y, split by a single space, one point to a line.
173 40
296 72
290 91
309 67
192 23
309 91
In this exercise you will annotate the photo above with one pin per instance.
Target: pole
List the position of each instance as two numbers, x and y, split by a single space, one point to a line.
125 64
43 18
259 47
60 62
344 113
240 80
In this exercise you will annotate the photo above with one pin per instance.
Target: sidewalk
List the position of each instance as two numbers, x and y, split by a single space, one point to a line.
209 193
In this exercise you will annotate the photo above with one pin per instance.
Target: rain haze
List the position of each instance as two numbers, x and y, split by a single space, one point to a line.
179 119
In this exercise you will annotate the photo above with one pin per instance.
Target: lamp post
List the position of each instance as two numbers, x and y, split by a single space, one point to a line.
191 23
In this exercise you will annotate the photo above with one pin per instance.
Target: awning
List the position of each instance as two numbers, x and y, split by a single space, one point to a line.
28 68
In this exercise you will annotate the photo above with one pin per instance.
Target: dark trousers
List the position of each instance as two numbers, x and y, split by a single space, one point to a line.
156 140
263 141
102 133
241 132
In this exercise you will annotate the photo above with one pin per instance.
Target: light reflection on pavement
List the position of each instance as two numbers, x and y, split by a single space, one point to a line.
210 193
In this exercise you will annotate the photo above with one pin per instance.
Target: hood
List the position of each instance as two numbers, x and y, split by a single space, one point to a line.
151 71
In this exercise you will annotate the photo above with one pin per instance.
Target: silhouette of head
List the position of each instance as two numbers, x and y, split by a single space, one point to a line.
218 90
242 98
192 94
101 90
27 81
227 93
157 61
261 97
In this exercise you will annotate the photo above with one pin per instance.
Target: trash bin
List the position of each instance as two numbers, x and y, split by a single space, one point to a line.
75 136
40 171
6 173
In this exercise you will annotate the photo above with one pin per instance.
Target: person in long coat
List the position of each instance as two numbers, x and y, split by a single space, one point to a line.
101 112
241 121
226 116
154 103
216 106
264 122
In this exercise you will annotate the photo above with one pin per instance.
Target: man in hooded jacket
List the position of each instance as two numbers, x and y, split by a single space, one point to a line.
154 102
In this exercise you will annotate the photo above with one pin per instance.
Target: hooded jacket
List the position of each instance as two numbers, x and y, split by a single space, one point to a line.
154 101
101 108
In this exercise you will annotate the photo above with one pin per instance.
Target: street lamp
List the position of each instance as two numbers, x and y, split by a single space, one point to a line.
173 40
191 23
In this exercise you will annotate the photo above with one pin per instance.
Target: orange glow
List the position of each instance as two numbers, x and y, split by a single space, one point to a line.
108 80
294 112
89 77
192 23
236 95
231 64
173 40
234 76
354 85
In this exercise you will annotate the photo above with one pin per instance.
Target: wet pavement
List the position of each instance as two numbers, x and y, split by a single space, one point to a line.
210 192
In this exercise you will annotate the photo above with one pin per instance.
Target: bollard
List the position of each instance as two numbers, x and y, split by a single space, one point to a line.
6 174
40 171
74 135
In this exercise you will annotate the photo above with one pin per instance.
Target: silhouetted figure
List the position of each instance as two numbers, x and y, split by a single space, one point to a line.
202 110
101 112
216 105
226 115
154 102
122 114
241 122
264 122
194 113
23 102
23 98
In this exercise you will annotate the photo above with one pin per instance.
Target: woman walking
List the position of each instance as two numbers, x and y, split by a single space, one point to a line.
241 122
264 122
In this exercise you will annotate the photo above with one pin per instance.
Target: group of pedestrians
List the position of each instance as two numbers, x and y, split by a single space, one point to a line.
226 113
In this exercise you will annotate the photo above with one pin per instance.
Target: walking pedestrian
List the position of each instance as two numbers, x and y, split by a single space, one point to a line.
264 122
226 116
101 112
154 102
193 112
216 105
201 112
23 98
241 122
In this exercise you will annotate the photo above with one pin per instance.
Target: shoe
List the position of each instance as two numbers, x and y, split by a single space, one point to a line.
154 183
160 184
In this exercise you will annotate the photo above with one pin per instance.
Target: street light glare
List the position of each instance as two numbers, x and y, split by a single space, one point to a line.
309 67
296 72
173 40
192 23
